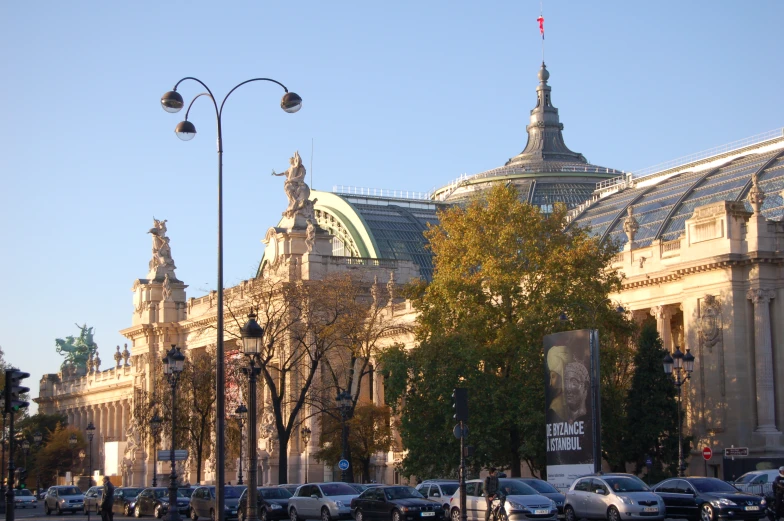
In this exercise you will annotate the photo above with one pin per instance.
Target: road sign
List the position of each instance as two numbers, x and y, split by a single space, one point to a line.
460 433
179 455
734 452
707 453
343 464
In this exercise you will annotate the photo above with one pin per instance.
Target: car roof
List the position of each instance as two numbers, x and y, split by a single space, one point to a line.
439 480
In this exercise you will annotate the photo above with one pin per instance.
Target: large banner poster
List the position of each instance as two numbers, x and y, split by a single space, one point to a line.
572 413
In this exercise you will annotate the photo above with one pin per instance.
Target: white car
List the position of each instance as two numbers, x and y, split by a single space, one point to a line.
324 501
521 502
24 498
758 482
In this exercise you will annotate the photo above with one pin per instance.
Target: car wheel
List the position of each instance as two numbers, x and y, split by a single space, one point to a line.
212 515
137 512
502 516
240 515
613 514
455 514
293 515
46 509
359 516
325 514
263 514
569 514
706 512
396 515
158 512
59 510
127 510
194 515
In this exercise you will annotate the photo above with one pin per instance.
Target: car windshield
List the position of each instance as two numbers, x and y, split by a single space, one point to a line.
187 492
541 486
626 484
449 488
164 493
510 487
359 487
402 493
712 485
23 492
131 492
232 492
274 493
747 477
70 491
338 489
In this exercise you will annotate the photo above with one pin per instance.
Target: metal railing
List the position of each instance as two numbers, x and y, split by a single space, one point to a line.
381 192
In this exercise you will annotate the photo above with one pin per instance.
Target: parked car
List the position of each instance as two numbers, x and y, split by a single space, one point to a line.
63 498
325 501
154 501
271 503
23 498
203 502
92 499
758 482
613 497
547 490
439 490
398 503
522 502
708 499
125 500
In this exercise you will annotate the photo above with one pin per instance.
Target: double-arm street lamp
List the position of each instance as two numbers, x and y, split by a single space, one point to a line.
344 405
305 433
90 433
72 441
252 344
155 425
681 367
241 413
173 364
172 101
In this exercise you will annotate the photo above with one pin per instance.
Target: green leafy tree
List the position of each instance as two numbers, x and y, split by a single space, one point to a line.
503 274
652 415
370 432
46 424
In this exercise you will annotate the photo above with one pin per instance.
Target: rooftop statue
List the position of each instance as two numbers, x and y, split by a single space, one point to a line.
77 350
296 189
161 261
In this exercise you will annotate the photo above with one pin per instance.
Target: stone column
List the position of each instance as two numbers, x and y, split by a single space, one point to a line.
763 360
663 314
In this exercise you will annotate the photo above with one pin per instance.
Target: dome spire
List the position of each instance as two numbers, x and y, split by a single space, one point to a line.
545 140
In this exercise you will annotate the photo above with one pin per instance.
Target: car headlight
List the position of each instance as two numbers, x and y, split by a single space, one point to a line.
553 504
763 502
275 506
626 500
723 502
339 504
515 506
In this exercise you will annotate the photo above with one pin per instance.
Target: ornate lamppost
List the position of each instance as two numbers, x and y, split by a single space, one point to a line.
344 405
252 342
72 441
26 452
82 455
241 413
90 433
681 367
172 102
155 425
305 434
173 364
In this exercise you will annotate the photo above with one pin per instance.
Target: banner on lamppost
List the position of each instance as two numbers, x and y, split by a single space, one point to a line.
573 415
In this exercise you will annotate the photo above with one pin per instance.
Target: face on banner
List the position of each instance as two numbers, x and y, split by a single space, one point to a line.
569 413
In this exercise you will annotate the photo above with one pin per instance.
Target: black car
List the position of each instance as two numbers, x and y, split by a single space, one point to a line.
708 499
125 500
547 490
272 503
155 502
203 502
398 503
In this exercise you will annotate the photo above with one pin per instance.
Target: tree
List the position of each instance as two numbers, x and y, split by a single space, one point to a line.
197 384
504 272
46 424
57 456
370 432
652 417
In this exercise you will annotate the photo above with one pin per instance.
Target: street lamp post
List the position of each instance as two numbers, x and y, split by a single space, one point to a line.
252 342
37 439
173 365
305 433
26 452
241 413
172 102
72 441
155 425
90 433
82 455
681 367
344 404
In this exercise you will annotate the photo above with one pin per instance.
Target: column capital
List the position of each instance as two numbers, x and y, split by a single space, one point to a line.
760 295
661 312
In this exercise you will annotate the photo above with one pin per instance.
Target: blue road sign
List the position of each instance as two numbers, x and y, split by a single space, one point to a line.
343 464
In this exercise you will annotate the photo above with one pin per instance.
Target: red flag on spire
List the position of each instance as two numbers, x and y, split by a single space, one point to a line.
541 25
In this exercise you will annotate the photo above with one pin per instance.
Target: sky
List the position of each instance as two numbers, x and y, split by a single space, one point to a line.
404 95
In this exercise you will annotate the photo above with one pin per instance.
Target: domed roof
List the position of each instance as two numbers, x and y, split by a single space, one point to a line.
546 171
662 203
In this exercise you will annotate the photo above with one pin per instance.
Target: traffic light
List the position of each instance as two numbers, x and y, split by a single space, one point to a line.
14 390
460 403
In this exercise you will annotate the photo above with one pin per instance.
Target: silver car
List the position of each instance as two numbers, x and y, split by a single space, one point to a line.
324 501
63 499
521 502
614 497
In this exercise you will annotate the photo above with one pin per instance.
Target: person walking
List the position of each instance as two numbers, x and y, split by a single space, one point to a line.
107 500
491 490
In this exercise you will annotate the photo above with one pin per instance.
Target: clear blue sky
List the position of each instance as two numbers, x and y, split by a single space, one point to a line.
399 95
